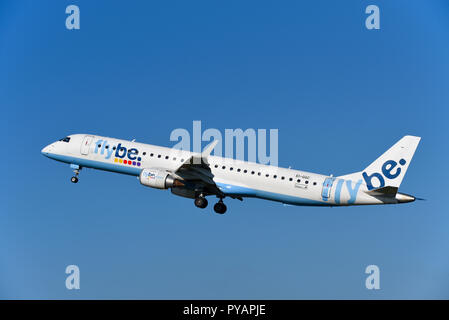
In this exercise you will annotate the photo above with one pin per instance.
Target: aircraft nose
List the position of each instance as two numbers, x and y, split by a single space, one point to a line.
46 150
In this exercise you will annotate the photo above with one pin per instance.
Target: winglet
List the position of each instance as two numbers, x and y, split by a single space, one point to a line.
208 149
196 158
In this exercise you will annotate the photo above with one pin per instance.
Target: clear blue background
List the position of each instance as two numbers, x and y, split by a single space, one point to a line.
339 94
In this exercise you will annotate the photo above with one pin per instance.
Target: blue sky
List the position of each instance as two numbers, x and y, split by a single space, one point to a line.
339 94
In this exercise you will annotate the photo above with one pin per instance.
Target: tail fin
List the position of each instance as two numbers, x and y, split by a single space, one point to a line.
389 169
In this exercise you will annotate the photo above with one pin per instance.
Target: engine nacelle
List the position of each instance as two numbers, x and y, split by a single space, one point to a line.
158 179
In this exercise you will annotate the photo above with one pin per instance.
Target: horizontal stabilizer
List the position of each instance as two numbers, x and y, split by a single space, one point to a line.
387 191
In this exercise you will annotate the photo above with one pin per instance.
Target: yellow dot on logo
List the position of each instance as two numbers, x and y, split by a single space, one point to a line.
115 160
121 161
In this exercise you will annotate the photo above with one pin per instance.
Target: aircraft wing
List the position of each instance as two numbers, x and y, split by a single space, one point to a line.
196 170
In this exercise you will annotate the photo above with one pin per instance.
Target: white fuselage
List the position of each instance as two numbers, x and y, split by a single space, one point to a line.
233 178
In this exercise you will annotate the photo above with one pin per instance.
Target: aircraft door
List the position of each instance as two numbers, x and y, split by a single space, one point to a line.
85 145
327 187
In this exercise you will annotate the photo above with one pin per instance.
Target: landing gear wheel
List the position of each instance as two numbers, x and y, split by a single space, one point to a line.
76 169
220 207
201 202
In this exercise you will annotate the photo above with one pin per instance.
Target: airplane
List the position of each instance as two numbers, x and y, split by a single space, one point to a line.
198 175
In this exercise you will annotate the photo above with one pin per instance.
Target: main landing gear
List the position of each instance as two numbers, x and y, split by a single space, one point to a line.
201 202
220 207
76 169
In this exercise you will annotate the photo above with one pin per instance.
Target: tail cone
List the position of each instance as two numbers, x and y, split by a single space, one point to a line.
403 198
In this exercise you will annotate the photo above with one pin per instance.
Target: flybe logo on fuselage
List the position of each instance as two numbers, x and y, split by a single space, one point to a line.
121 154
387 171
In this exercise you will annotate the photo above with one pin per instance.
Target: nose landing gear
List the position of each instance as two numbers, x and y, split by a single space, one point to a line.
76 169
74 179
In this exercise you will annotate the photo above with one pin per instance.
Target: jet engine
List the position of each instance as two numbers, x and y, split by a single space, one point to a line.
158 179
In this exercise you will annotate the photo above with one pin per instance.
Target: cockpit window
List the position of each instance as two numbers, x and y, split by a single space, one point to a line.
66 139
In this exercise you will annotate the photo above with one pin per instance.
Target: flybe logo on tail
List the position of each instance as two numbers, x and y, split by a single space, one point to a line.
388 171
